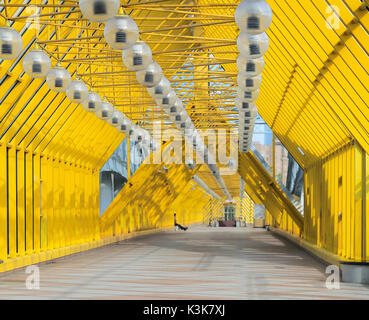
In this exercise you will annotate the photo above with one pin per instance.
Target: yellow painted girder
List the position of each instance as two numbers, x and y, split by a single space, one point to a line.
322 106
264 188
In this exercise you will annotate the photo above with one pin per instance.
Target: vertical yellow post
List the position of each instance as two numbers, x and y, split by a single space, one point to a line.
29 203
340 200
3 204
80 205
36 201
21 201
96 207
68 223
50 209
12 202
56 226
59 203
366 203
344 204
73 203
358 211
90 204
128 158
350 206
44 207
273 156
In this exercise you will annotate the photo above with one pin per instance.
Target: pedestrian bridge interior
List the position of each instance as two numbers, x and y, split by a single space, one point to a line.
77 194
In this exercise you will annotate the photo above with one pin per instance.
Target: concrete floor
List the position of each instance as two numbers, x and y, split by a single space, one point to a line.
201 263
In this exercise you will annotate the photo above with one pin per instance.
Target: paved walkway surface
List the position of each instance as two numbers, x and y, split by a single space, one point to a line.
201 263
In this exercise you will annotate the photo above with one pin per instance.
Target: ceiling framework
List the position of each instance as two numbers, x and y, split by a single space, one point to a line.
175 32
313 94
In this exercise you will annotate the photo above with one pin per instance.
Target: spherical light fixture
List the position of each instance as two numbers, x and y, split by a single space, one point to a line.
246 126
247 108
247 123
253 16
186 124
137 57
121 32
250 67
189 133
161 89
176 108
99 10
138 135
252 46
77 91
116 119
11 43
105 111
249 83
36 63
58 79
247 95
180 117
167 101
151 76
125 126
92 103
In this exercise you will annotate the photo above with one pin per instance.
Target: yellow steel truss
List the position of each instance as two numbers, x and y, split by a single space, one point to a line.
313 97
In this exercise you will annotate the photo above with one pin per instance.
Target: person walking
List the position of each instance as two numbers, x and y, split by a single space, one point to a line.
177 224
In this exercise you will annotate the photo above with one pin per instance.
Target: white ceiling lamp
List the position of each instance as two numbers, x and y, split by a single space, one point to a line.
167 101
92 103
77 91
137 57
161 89
11 43
121 32
247 109
253 16
248 83
125 126
36 63
116 119
180 117
252 46
99 10
58 79
244 95
186 124
105 111
176 107
250 67
150 76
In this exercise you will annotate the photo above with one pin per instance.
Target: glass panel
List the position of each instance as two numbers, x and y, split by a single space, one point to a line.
289 175
263 141
138 155
113 176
